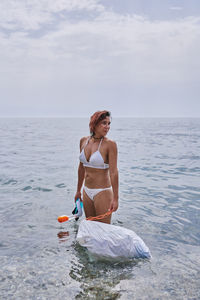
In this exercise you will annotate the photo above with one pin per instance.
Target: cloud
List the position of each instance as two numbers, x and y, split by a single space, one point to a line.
78 49
176 8
33 14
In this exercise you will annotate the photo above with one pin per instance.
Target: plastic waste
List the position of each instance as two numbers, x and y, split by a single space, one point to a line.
78 210
111 241
76 213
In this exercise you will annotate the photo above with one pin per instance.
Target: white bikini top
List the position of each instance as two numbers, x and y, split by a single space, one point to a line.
95 161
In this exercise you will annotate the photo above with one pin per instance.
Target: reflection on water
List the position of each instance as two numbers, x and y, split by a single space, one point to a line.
63 235
98 277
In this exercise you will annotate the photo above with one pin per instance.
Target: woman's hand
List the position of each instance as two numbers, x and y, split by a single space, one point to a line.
77 196
113 205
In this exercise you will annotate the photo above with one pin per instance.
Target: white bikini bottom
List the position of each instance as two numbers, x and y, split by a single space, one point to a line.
93 192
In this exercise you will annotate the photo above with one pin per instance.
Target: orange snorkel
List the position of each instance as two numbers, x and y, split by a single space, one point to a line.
77 212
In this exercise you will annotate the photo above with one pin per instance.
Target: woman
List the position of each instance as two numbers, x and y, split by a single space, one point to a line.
98 168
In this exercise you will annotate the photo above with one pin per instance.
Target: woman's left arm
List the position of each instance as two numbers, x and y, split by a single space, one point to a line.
112 157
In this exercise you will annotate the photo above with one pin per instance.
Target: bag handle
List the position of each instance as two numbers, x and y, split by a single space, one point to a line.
108 213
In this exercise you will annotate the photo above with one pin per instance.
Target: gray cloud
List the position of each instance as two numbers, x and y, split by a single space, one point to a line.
68 57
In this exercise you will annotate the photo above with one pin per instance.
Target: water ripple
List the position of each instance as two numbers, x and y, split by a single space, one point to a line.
159 199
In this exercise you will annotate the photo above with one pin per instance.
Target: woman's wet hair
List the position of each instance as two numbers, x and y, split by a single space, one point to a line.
96 118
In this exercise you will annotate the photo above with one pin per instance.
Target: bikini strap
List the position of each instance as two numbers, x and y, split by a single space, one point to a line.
100 143
87 142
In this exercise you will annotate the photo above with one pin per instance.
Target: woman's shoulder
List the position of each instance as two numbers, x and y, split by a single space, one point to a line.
83 139
111 143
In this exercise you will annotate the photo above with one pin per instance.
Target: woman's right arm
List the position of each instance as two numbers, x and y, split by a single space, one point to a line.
81 176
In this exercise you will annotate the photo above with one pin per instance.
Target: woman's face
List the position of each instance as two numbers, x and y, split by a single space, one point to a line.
103 127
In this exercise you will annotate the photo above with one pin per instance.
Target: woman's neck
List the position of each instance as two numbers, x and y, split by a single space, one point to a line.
97 137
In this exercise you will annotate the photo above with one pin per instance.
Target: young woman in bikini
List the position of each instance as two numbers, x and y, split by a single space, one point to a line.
98 169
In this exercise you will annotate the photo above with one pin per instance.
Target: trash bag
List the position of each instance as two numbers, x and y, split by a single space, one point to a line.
111 241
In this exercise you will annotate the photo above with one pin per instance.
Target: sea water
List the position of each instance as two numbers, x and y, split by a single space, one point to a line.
159 174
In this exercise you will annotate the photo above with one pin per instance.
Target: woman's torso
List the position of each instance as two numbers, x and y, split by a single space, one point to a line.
94 156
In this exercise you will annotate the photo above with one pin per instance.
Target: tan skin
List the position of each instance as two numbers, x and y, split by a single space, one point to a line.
99 178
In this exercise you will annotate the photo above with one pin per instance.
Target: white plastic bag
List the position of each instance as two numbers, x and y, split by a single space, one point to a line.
111 241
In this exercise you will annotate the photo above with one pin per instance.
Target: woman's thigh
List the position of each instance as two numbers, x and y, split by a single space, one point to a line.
88 205
102 203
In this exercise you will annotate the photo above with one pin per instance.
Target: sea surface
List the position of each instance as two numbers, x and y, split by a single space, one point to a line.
159 171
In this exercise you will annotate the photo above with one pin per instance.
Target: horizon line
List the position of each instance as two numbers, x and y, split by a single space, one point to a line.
115 116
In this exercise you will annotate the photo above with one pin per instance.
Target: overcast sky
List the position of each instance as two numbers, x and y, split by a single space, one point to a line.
137 58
